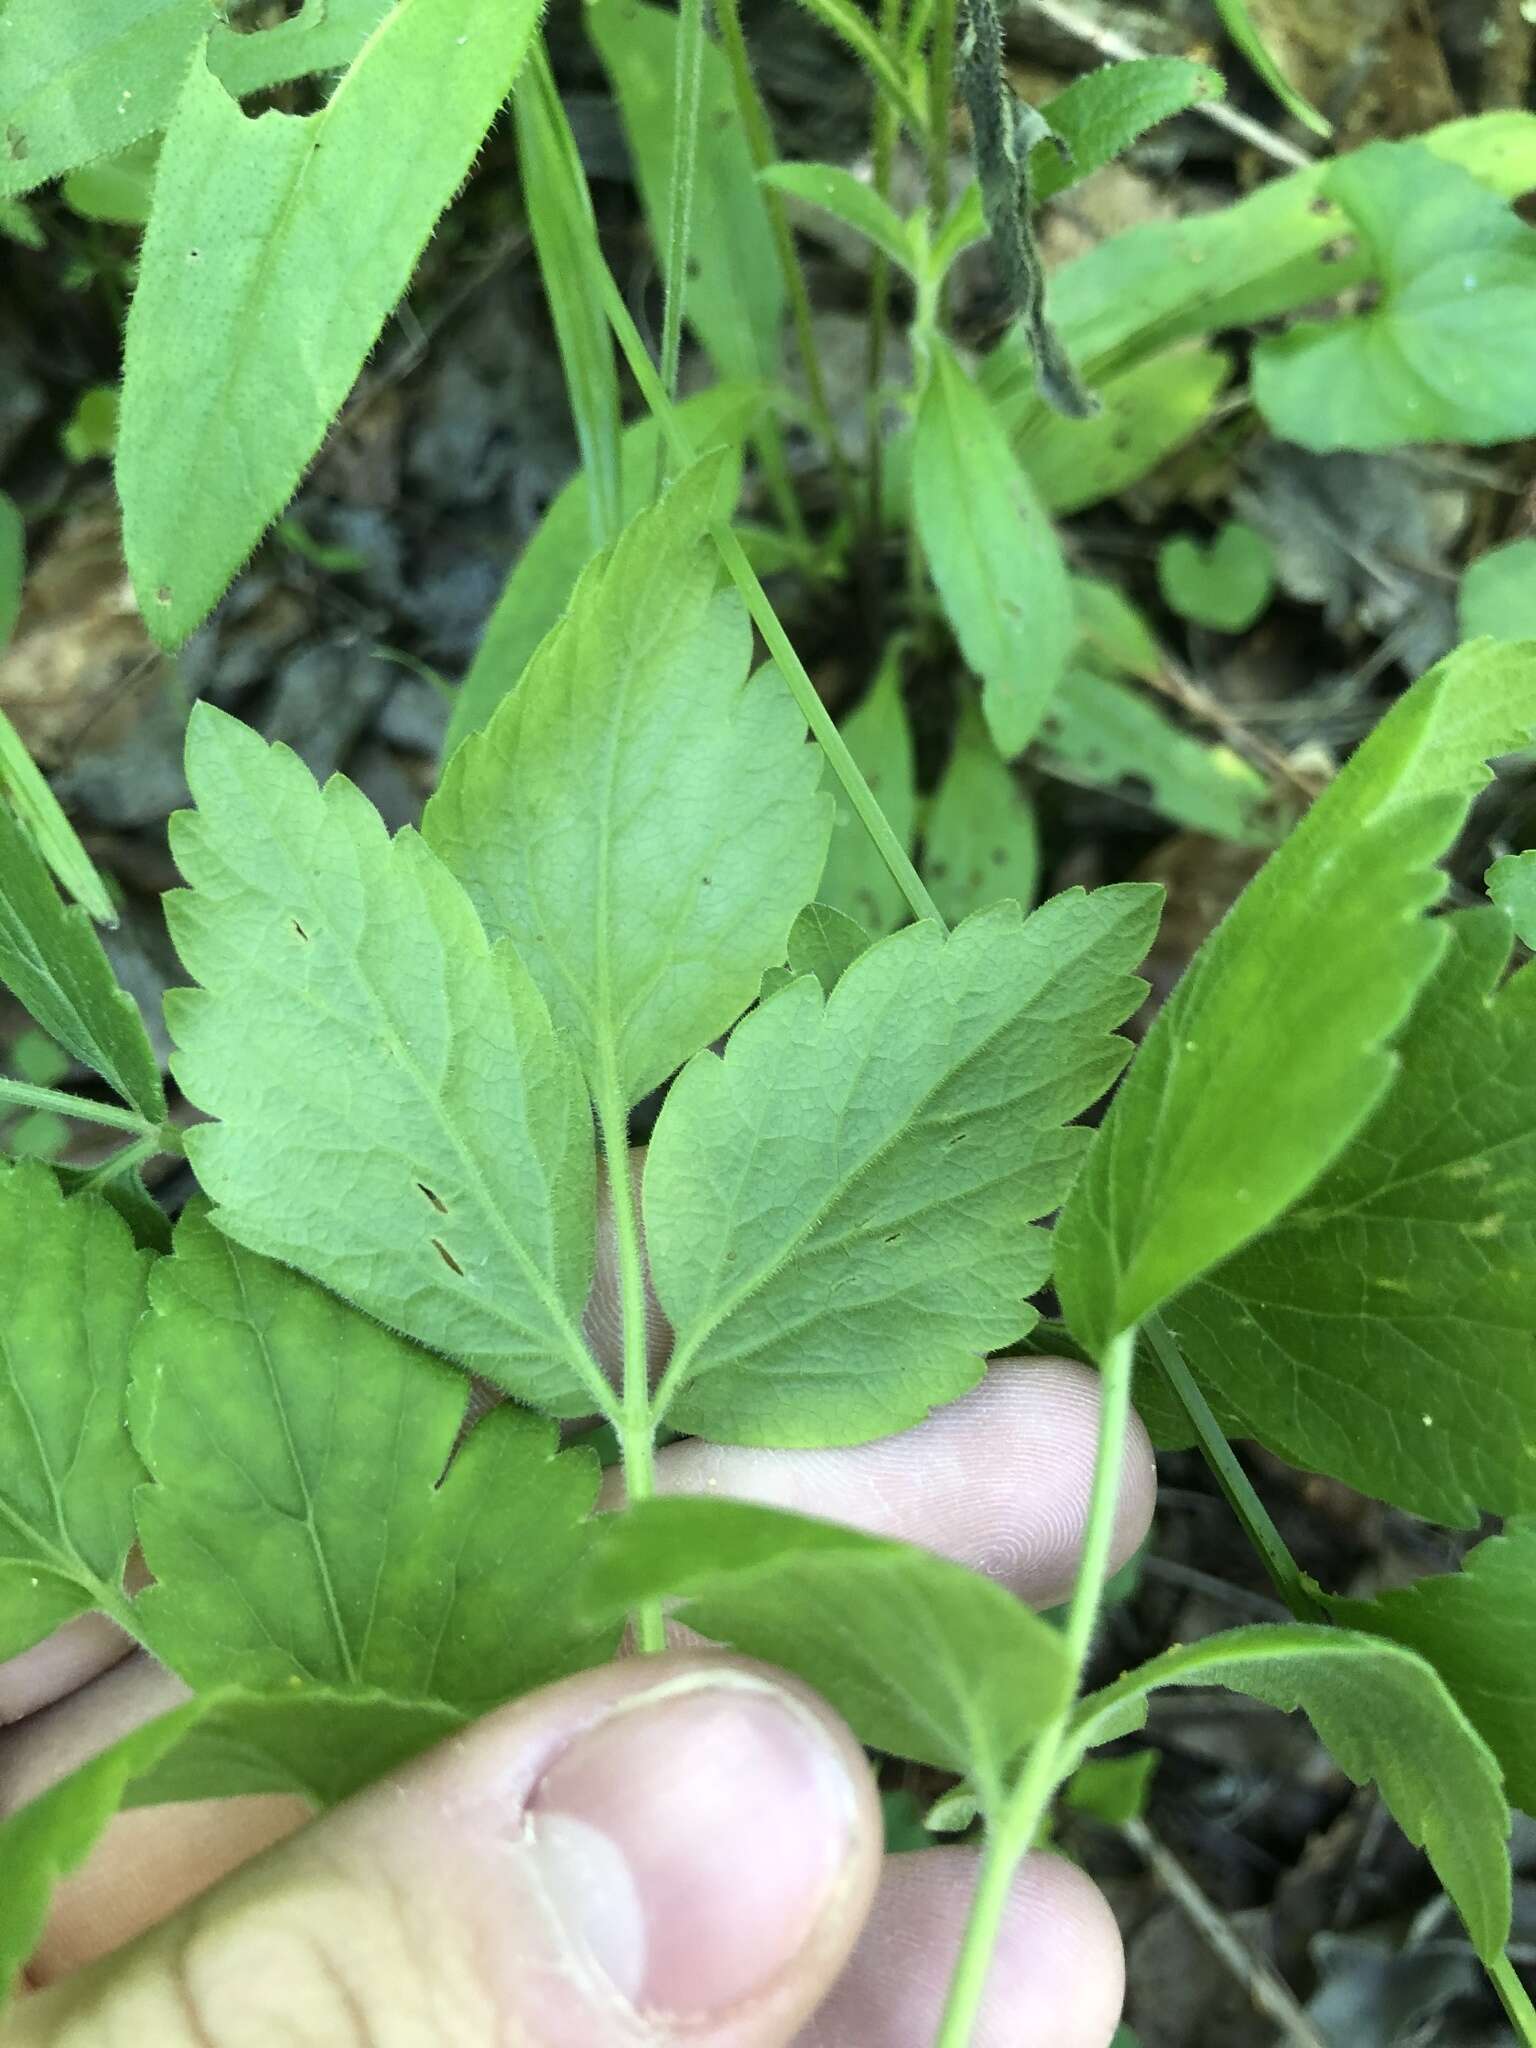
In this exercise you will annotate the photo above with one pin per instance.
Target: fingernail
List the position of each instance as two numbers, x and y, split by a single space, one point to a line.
688 1843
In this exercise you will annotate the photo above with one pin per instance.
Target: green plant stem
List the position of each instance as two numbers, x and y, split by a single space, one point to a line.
1515 1999
25 1096
1258 1525
941 93
1013 1831
687 91
636 1429
742 574
759 133
125 1161
883 154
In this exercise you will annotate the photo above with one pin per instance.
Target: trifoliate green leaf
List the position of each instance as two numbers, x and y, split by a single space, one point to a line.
1384 1329
234 364
1382 1714
838 1210
735 285
71 1290
1449 353
1478 1628
1511 882
1272 1052
1498 594
879 737
52 962
920 1656
640 818
1224 586
300 1527
395 1115
544 574
323 1746
980 845
1104 734
994 554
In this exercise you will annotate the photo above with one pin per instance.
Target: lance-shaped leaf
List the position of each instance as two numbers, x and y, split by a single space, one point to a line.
1478 1628
856 879
1105 734
994 554
1272 1051
52 962
301 1528
639 817
980 845
322 1746
85 81
735 284
838 1210
922 1657
396 1116
832 190
71 1290
234 364
1449 352
1382 1714
1384 1329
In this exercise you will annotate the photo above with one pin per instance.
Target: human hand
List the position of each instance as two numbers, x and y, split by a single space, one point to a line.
668 1849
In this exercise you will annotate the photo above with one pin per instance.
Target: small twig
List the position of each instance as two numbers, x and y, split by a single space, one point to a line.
1111 44
1265 1987
1192 697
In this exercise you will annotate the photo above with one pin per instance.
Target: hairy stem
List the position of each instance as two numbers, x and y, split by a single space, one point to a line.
743 575
24 1096
125 1161
636 1430
1234 1482
1011 1832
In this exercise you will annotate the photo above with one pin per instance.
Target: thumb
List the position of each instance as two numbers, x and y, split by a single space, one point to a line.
675 1847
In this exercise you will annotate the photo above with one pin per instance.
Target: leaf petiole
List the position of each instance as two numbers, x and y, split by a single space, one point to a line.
634 1419
1258 1525
1012 1832
25 1096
